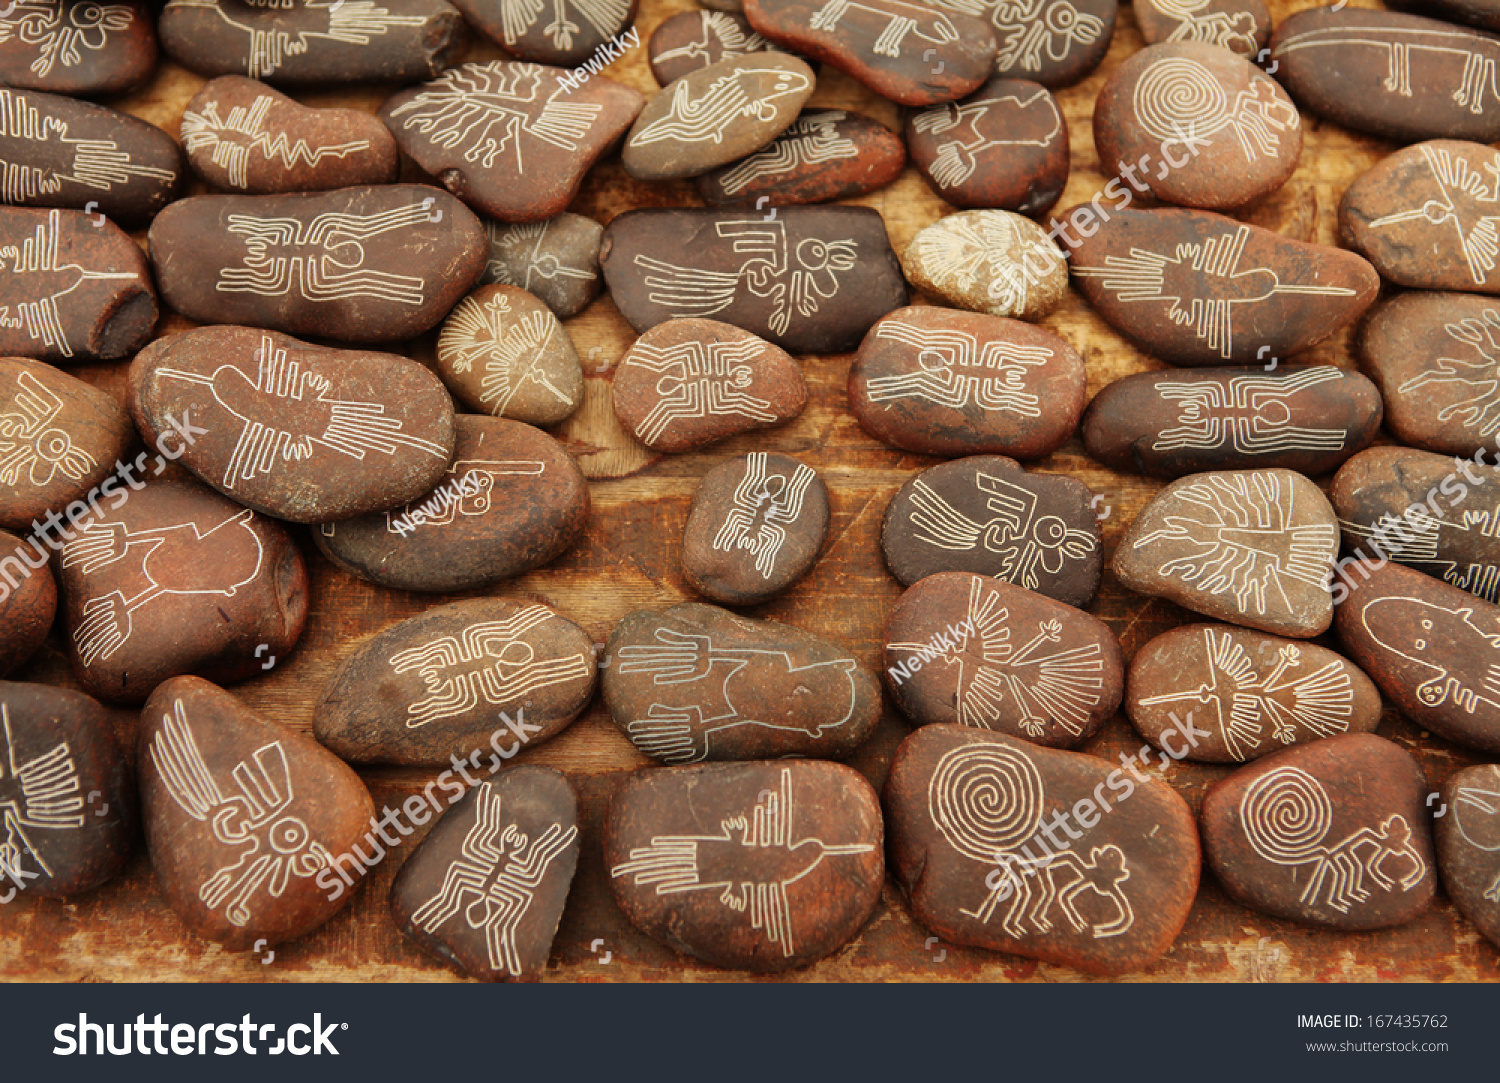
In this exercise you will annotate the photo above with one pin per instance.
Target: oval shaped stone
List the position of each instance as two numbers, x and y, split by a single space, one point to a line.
989 261
686 383
696 682
301 432
73 287
377 263
535 811
984 844
564 32
557 261
825 154
512 500
803 833
941 382
77 46
1052 42
242 136
1236 131
756 525
969 650
1308 418
1241 26
1004 146
1196 288
502 351
1215 693
28 602
512 140
172 578
1400 77
1468 839
692 40
60 152
483 674
219 784
1332 834
811 281
307 45
716 115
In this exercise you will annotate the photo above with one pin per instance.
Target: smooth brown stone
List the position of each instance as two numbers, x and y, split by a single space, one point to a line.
1214 693
394 40
692 40
1484 14
756 526
1234 130
911 53
59 438
826 154
59 152
1388 502
971 814
717 115
502 352
74 287
969 650
556 260
278 261
302 432
1420 216
512 500
996 262
1433 649
1241 26
986 515
736 6
1004 146
564 32
1399 77
806 834
1332 834
77 46
487 674
245 818
811 281
696 682
28 600
524 823
512 140
1196 288
1307 418
173 578
743 383
1052 42
1468 838
242 136
1252 547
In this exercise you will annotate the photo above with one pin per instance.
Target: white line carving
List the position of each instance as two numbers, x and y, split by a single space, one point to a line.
231 141
1176 95
517 17
513 351
764 506
751 862
1417 537
512 239
928 25
956 370
716 29
1286 815
979 127
469 493
1249 414
1481 411
98 164
699 380
984 250
1234 31
730 98
351 22
62 31
1463 199
1444 643
1028 29
812 140
40 793
1476 814
32 443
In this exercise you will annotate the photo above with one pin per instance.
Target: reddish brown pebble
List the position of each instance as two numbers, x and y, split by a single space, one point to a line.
502 352
966 649
1468 845
28 599
997 262
1052 42
1484 14
1332 834
826 154
77 47
753 866
983 843
692 40
557 261
1241 26
564 32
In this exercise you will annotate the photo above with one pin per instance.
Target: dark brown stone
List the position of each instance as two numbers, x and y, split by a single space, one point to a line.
487 674
1468 839
755 866
966 649
564 32
1052 42
997 262
73 287
984 845
1308 418
172 578
242 136
826 154
696 682
1241 26
1004 146
28 599
941 382
1331 834
692 40
245 819
1484 14
986 515
512 500
556 260
485 889
755 527
378 263
302 432
1215 693
811 281
512 140
502 352
77 46
1196 288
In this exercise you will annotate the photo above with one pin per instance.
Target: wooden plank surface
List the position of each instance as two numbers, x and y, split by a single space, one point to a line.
628 559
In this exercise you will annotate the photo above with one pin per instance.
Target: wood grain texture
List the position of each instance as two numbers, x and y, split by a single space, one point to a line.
629 559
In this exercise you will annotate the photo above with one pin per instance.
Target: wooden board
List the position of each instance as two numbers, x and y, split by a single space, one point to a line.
628 559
